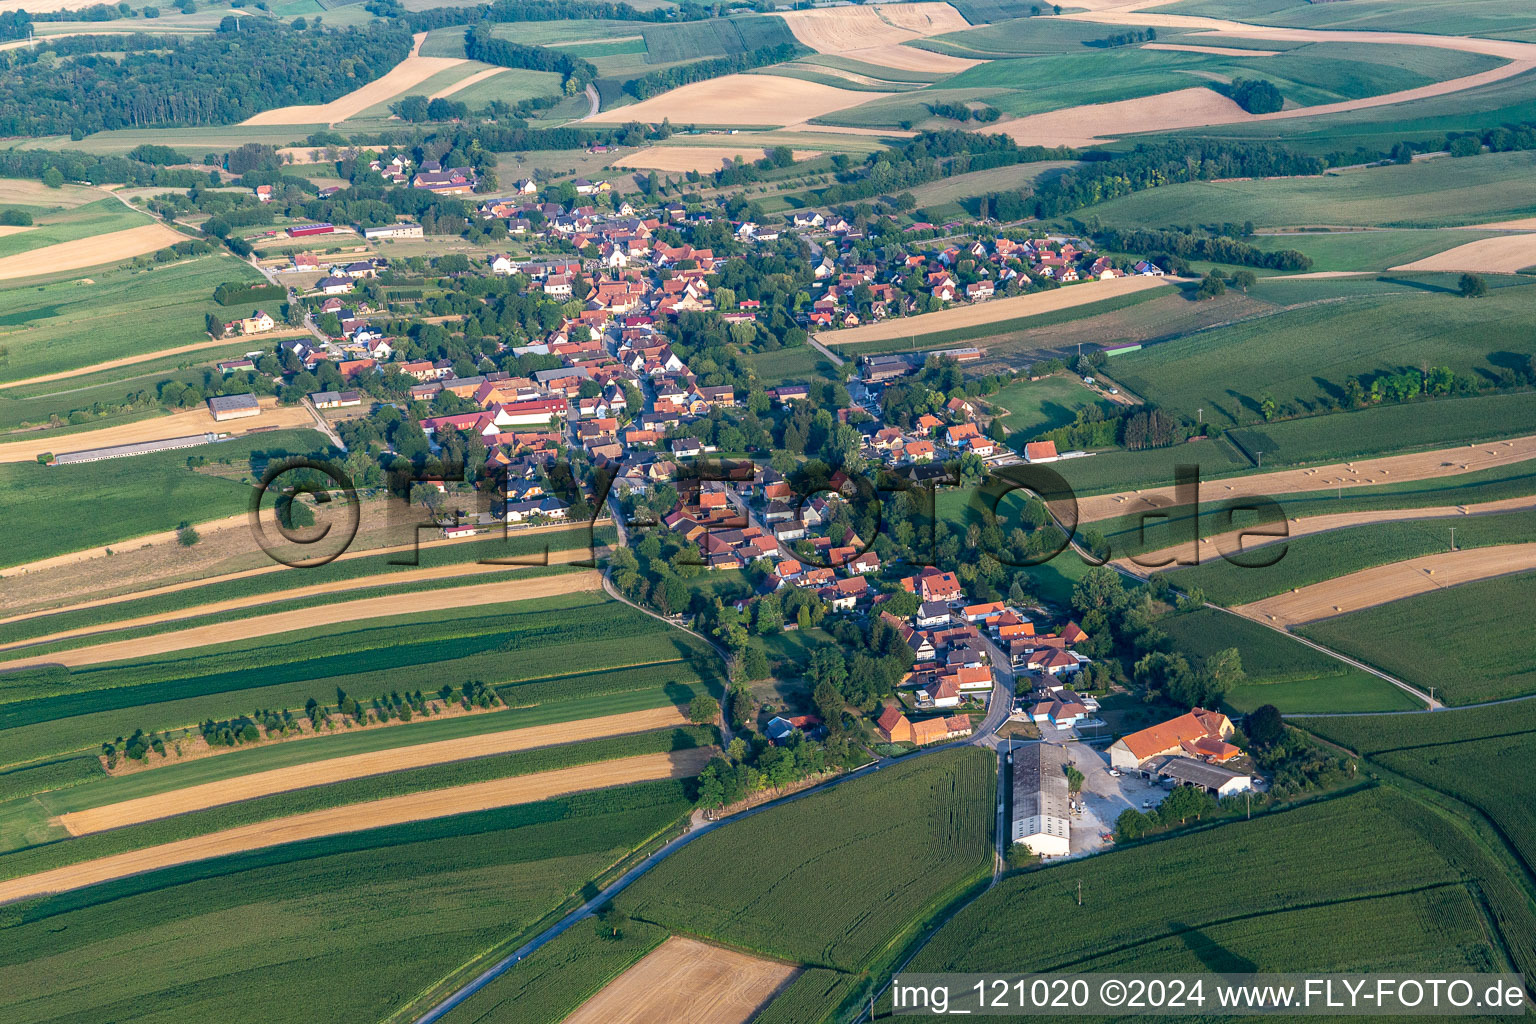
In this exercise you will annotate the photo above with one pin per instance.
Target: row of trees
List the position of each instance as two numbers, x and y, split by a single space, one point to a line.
164 81
1197 244
653 83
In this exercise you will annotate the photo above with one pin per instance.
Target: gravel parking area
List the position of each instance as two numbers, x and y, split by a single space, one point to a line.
1104 797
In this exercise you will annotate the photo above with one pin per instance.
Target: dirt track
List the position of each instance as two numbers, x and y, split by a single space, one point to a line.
112 247
875 34
268 567
1212 547
991 311
684 981
740 99
704 159
1446 462
465 83
404 576
1393 582
1221 51
180 424
1505 254
357 766
357 817
399 79
470 596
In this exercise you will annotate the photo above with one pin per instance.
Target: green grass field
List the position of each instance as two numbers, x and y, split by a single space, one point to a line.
1366 250
382 566
367 659
1504 19
97 218
798 365
1308 75
216 939
51 506
560 976
719 37
1474 755
1391 893
58 849
1433 193
1125 532
867 861
1227 371
1035 407
66 325
1290 675
1326 556
1468 642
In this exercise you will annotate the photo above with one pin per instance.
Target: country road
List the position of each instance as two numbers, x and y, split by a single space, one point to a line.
997 713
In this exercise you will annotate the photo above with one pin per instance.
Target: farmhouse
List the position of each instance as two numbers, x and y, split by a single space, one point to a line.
1040 811
1040 451
1200 733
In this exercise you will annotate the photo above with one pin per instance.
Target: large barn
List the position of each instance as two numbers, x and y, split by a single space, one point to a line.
1040 811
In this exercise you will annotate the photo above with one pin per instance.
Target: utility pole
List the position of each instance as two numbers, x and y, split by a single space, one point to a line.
1261 460
1453 538
1249 794
1079 892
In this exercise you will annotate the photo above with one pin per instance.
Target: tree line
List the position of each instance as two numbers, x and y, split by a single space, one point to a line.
164 81
654 82
538 10
1191 245
482 46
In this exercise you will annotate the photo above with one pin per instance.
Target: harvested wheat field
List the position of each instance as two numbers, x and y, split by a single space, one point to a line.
1433 465
1088 125
703 159
875 34
740 100
684 981
1393 582
403 577
180 424
1233 541
357 766
29 192
112 247
1506 254
470 596
991 311
1522 224
482 796
400 79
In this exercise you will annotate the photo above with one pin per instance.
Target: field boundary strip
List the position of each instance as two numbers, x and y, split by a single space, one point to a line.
468 596
356 766
370 582
1434 464
1395 581
508 792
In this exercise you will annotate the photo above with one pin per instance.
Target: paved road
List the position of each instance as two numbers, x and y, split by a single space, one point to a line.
322 425
997 713
837 360
593 101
